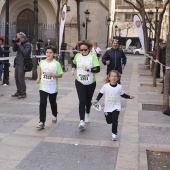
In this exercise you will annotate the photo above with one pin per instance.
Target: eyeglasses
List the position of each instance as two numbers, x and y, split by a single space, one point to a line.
83 49
114 76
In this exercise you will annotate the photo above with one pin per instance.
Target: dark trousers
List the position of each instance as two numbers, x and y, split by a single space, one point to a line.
85 94
43 104
20 79
112 118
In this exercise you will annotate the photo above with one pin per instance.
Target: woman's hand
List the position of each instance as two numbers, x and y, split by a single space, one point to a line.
132 97
49 74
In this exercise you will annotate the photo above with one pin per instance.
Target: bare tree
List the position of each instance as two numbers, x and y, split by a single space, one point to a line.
139 6
167 73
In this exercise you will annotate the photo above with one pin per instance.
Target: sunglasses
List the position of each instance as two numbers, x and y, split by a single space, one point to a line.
83 49
115 40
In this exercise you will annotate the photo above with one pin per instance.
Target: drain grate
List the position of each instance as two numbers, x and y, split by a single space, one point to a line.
158 160
151 107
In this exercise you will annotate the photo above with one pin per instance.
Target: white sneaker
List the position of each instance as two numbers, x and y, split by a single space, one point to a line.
114 137
87 118
54 119
41 125
81 125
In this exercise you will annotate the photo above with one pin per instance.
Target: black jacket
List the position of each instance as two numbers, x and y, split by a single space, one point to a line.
116 57
23 52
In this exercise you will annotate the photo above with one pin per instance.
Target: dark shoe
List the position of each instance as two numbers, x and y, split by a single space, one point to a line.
22 96
16 94
161 81
157 77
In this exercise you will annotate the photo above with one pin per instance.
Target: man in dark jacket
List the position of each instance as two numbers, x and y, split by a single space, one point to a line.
114 58
23 49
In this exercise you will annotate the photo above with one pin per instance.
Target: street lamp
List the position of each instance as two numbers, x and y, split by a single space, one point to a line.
150 16
6 47
108 23
87 14
116 28
119 30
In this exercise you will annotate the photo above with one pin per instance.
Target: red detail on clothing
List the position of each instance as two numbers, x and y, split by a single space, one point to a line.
154 55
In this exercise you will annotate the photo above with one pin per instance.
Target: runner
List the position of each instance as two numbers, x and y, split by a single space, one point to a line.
112 91
87 65
48 73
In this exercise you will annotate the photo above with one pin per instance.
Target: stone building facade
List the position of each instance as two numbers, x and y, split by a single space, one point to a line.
21 19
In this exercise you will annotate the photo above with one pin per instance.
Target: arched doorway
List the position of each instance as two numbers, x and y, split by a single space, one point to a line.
25 23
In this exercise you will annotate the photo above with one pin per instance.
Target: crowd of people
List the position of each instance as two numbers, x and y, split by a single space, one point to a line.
85 66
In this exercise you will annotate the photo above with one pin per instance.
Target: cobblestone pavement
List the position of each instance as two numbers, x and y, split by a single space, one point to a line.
62 146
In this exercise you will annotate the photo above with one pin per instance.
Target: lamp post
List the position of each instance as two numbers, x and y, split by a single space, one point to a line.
87 14
6 47
150 16
35 39
119 30
116 28
108 23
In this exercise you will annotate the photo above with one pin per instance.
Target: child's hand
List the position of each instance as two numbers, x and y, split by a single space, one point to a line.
72 72
49 74
132 97
107 62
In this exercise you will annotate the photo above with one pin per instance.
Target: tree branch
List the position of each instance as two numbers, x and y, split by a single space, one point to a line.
128 2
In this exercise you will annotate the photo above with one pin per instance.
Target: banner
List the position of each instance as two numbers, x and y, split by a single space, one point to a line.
128 42
62 24
139 29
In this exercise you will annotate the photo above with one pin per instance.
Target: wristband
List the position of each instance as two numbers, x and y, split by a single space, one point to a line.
87 70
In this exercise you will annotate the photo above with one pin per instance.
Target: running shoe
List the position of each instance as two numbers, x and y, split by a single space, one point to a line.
87 117
114 137
54 119
81 125
41 125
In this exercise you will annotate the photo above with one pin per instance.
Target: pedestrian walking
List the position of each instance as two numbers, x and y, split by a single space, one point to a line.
112 107
96 50
23 49
49 71
1 55
114 58
87 65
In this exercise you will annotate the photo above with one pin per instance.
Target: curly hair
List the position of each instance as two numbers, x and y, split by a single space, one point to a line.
85 42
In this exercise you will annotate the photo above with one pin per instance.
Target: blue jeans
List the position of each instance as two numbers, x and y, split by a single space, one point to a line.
1 69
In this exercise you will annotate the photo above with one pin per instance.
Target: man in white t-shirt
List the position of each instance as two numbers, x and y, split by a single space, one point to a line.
96 50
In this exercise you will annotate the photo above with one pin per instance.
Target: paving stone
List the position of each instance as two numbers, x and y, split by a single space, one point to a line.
78 157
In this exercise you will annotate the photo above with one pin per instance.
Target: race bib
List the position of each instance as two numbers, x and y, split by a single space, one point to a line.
84 78
46 78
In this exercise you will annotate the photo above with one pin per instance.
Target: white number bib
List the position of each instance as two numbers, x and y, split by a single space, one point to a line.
46 78
84 78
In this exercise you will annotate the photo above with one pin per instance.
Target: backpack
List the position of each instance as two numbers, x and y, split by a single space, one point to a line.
28 64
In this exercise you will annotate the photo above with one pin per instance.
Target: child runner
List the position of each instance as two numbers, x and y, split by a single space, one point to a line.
112 91
49 71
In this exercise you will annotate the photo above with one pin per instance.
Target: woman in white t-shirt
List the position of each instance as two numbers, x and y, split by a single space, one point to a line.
49 71
112 91
96 50
87 65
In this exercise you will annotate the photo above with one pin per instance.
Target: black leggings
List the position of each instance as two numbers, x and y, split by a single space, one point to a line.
85 94
43 104
112 117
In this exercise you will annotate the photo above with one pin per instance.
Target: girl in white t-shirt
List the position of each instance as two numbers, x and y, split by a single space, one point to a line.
112 91
49 71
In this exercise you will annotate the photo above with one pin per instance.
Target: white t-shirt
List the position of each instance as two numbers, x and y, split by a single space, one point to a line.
89 61
112 97
98 50
47 83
